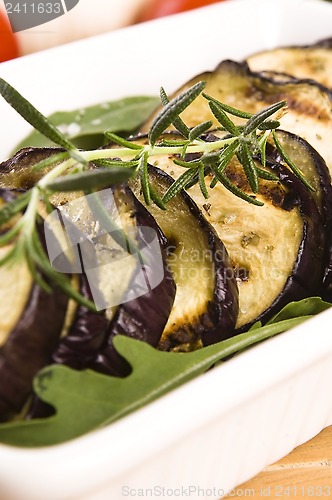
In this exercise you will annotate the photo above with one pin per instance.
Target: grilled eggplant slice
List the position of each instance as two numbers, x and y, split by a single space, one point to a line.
145 316
278 251
31 324
16 172
309 113
316 172
206 302
137 294
311 61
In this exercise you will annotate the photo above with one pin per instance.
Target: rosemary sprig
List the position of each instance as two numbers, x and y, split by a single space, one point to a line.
74 170
35 118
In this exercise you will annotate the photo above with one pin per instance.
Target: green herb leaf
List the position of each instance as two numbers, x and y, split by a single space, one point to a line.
223 119
51 161
170 112
156 198
8 210
262 148
257 120
90 180
269 125
200 129
180 183
249 166
202 183
178 122
145 178
265 174
225 157
9 235
187 164
229 109
120 141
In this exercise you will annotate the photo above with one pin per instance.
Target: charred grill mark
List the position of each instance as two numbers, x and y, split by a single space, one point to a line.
270 190
264 89
273 193
301 103
305 106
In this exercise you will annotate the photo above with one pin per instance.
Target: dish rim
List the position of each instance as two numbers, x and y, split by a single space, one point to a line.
322 349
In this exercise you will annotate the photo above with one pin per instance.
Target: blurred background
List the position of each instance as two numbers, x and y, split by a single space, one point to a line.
85 19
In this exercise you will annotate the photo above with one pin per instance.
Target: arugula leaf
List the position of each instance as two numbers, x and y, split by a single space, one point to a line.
86 127
309 306
86 400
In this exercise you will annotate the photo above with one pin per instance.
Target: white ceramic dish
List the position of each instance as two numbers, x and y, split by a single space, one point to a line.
219 430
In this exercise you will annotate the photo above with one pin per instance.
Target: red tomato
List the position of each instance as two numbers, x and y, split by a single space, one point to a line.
8 42
160 8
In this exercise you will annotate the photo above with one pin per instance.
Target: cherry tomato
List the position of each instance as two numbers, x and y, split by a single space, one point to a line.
160 8
8 43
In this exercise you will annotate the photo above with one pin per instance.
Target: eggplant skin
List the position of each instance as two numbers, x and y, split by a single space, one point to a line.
85 337
29 347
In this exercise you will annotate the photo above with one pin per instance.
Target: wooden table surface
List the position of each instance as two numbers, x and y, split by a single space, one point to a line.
305 473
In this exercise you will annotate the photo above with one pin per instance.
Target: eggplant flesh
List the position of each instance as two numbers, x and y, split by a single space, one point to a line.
278 251
16 284
304 62
206 301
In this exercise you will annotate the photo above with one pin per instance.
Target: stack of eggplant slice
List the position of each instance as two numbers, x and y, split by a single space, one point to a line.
275 250
225 263
163 315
